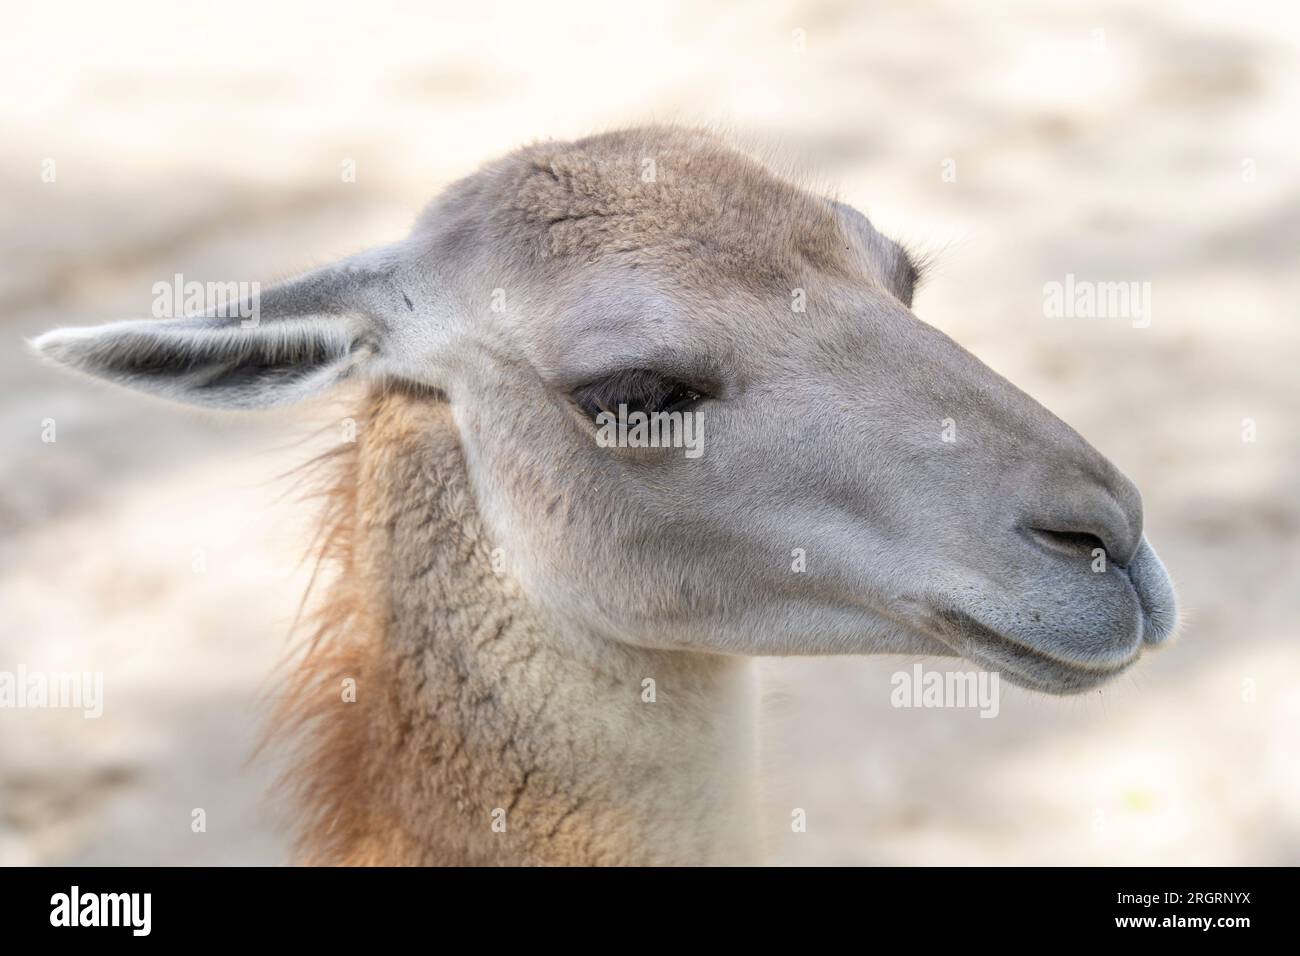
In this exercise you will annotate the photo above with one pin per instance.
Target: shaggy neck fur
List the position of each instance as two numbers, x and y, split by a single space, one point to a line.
479 734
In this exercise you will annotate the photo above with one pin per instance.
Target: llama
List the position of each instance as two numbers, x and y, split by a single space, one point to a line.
551 640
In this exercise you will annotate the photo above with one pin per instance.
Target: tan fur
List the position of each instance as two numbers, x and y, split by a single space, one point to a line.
700 200
466 704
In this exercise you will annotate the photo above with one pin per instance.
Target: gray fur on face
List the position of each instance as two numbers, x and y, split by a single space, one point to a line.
826 409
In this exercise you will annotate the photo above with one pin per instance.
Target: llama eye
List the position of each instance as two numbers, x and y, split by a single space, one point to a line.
641 390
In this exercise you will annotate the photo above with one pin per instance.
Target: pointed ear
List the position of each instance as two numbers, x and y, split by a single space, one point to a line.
886 259
290 342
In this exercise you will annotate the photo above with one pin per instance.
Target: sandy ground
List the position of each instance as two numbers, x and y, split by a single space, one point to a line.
1142 142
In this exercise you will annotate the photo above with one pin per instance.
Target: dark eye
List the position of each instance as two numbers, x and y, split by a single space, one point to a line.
641 390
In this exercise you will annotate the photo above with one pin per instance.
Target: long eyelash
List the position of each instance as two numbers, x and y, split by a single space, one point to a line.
635 387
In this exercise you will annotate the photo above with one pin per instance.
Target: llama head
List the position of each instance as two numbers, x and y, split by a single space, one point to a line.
832 475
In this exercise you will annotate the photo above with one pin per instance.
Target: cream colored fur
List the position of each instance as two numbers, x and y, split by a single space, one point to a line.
468 702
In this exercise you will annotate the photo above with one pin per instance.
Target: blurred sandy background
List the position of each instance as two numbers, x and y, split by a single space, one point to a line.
1146 142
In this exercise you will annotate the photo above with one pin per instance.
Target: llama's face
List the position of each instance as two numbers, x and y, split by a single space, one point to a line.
840 477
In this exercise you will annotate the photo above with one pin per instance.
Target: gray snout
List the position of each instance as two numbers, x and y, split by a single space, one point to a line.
1155 593
1101 509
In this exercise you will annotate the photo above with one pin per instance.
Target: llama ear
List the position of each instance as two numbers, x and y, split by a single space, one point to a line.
887 260
290 342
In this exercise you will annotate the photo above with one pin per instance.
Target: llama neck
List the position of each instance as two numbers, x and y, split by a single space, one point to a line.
483 734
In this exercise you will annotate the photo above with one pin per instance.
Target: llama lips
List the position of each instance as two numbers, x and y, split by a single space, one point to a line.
1059 620
1155 592
1035 670
1025 666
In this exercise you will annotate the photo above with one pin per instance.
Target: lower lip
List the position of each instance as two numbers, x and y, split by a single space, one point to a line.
975 640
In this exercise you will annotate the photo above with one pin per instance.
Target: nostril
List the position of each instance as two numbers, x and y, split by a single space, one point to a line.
1072 543
1078 514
